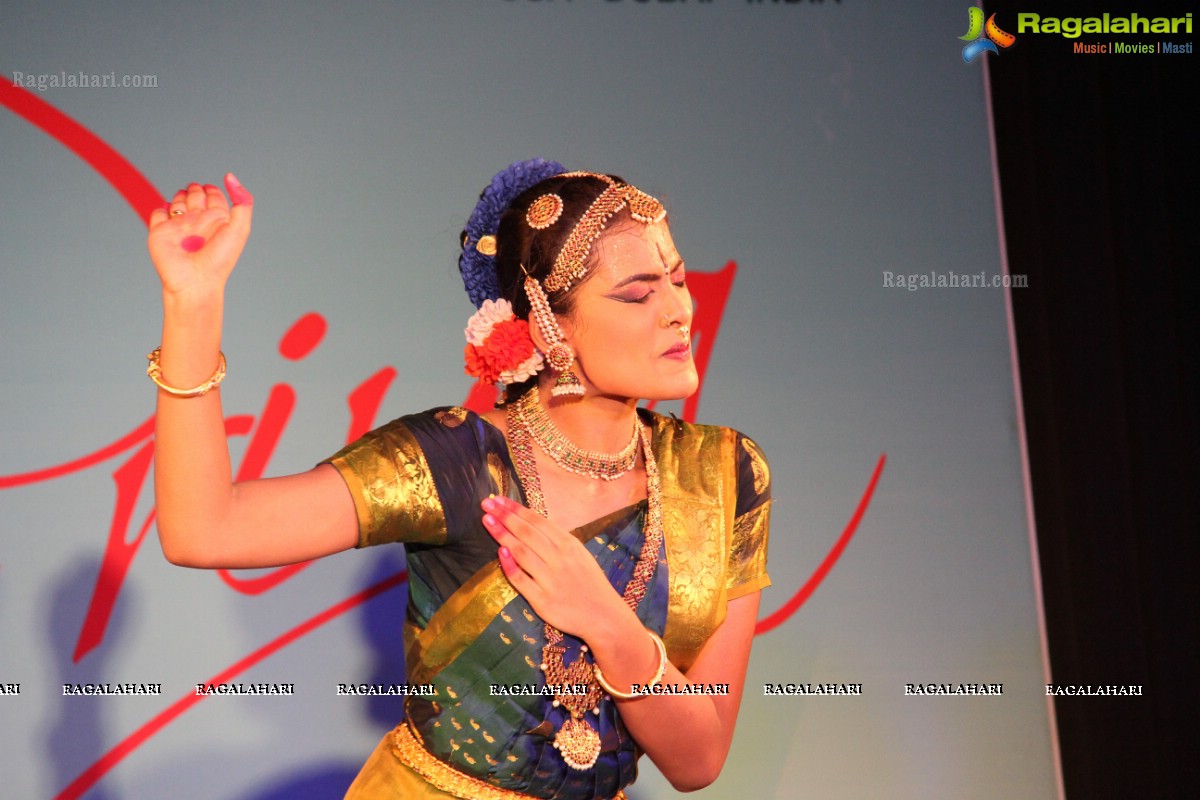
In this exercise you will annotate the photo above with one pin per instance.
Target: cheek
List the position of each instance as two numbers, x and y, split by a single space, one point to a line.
616 344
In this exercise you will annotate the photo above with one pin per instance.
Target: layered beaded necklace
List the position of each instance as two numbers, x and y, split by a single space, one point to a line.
577 741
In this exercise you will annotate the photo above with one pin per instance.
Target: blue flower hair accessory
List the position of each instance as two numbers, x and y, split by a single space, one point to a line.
478 260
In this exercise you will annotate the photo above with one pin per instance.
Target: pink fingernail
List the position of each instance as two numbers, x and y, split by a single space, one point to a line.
237 192
490 521
505 553
191 244
489 504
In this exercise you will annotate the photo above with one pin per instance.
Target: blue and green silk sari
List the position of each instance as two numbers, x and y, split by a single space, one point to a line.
419 480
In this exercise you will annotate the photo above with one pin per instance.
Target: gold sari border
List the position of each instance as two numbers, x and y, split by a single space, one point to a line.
412 753
459 621
468 612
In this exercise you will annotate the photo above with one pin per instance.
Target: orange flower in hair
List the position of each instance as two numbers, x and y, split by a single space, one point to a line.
499 347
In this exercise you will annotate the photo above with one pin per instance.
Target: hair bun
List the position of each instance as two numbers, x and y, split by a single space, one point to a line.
477 267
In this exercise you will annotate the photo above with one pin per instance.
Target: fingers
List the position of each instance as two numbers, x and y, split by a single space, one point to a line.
525 523
512 570
524 556
214 197
521 580
237 192
243 204
178 204
195 198
528 534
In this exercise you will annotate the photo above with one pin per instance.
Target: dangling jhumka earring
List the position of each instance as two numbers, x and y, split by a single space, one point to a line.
542 213
559 354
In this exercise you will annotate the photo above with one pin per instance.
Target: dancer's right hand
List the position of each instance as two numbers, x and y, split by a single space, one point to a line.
194 251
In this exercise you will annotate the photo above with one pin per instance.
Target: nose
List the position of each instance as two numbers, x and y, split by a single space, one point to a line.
678 305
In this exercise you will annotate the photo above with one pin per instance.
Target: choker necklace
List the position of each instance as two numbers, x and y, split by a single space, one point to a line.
568 455
577 741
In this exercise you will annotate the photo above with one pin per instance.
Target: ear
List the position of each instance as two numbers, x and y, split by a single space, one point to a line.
535 333
565 326
539 338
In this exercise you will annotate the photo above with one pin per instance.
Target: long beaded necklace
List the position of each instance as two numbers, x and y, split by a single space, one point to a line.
568 455
577 741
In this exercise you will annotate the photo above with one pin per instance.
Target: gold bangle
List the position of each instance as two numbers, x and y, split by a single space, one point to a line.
657 679
154 370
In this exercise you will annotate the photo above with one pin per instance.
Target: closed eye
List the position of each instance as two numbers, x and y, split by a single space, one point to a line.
632 297
679 276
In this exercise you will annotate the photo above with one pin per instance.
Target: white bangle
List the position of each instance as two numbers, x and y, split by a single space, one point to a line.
655 681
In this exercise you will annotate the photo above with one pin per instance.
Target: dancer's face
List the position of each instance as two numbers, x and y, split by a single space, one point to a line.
626 323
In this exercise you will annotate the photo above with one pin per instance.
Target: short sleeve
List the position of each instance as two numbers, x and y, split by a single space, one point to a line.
393 488
746 570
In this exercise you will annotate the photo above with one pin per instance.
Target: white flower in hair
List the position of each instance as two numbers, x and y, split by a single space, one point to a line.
525 370
479 327
499 346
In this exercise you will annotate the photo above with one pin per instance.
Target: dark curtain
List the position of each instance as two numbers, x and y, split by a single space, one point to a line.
1098 179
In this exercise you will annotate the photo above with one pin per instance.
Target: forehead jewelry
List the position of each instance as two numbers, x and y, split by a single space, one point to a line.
544 211
571 263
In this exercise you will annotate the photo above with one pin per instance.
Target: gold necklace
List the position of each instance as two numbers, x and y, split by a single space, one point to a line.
568 455
577 741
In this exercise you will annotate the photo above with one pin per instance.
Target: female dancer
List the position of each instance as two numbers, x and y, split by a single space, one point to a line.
584 576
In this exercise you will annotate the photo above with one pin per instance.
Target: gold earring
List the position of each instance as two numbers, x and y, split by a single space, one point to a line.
567 385
559 355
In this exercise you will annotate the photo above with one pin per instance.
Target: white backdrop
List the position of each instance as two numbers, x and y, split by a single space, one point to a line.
818 146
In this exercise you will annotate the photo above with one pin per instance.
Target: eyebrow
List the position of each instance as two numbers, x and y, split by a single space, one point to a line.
641 276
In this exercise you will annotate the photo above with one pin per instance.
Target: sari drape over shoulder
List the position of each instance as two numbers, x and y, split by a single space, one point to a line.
419 480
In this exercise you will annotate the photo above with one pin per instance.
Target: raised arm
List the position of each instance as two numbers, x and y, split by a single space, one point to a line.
204 519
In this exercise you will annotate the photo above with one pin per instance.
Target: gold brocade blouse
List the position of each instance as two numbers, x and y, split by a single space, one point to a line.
419 480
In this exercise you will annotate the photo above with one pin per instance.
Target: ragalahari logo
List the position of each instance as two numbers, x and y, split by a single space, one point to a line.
981 38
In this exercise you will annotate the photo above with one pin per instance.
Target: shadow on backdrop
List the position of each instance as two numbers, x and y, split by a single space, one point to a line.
75 737
382 621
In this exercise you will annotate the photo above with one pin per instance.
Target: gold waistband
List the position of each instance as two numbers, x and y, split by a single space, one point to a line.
412 753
